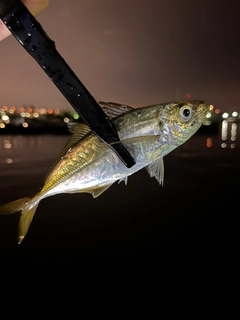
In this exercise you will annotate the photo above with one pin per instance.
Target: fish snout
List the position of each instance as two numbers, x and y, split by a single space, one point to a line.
201 106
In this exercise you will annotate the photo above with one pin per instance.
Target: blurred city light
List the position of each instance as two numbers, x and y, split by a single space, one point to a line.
76 116
224 129
225 115
209 142
5 117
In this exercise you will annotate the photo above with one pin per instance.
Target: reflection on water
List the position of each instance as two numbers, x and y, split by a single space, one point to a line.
29 153
198 177
229 134
17 149
228 137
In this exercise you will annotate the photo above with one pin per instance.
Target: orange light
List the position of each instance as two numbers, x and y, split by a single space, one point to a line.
209 143
217 111
21 109
57 111
43 111
5 108
211 107
29 110
50 111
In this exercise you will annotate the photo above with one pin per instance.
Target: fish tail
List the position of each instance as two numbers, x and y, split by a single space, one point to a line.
25 221
20 205
13 206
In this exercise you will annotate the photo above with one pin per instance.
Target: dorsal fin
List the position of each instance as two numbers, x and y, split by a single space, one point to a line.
78 131
113 109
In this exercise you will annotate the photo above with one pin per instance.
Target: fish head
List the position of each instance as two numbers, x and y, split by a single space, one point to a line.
183 119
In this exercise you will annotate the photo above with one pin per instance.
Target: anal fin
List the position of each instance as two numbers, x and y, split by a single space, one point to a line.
97 192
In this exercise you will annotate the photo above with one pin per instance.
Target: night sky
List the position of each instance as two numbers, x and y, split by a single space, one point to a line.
137 52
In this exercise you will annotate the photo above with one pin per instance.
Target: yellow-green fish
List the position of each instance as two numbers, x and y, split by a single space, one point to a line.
86 164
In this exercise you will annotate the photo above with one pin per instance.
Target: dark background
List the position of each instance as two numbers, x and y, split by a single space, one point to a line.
137 249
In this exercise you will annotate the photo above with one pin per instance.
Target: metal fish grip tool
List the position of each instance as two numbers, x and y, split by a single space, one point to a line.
30 34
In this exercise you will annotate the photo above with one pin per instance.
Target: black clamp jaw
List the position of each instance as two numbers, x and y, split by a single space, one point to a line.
30 34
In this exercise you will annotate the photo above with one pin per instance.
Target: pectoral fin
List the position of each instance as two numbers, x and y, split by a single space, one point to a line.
156 169
148 138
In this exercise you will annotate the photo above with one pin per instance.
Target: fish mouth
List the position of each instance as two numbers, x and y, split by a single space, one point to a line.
201 107
201 110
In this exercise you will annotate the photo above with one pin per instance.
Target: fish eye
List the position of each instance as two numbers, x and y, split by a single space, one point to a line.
186 112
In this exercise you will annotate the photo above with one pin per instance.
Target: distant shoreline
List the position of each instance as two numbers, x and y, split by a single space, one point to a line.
63 129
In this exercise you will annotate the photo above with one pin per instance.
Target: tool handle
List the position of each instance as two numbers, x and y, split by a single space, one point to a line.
30 34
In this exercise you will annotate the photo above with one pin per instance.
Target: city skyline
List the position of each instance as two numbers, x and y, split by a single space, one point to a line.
140 54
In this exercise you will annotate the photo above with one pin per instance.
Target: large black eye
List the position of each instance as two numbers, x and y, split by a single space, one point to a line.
186 112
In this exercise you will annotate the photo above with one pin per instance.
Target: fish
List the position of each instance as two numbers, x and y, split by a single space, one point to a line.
87 164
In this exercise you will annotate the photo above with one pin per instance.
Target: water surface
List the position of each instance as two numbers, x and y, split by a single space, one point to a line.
184 234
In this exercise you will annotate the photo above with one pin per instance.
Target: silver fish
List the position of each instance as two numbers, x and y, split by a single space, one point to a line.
86 164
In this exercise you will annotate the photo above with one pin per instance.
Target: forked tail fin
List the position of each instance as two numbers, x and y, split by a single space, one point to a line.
26 214
25 221
13 206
